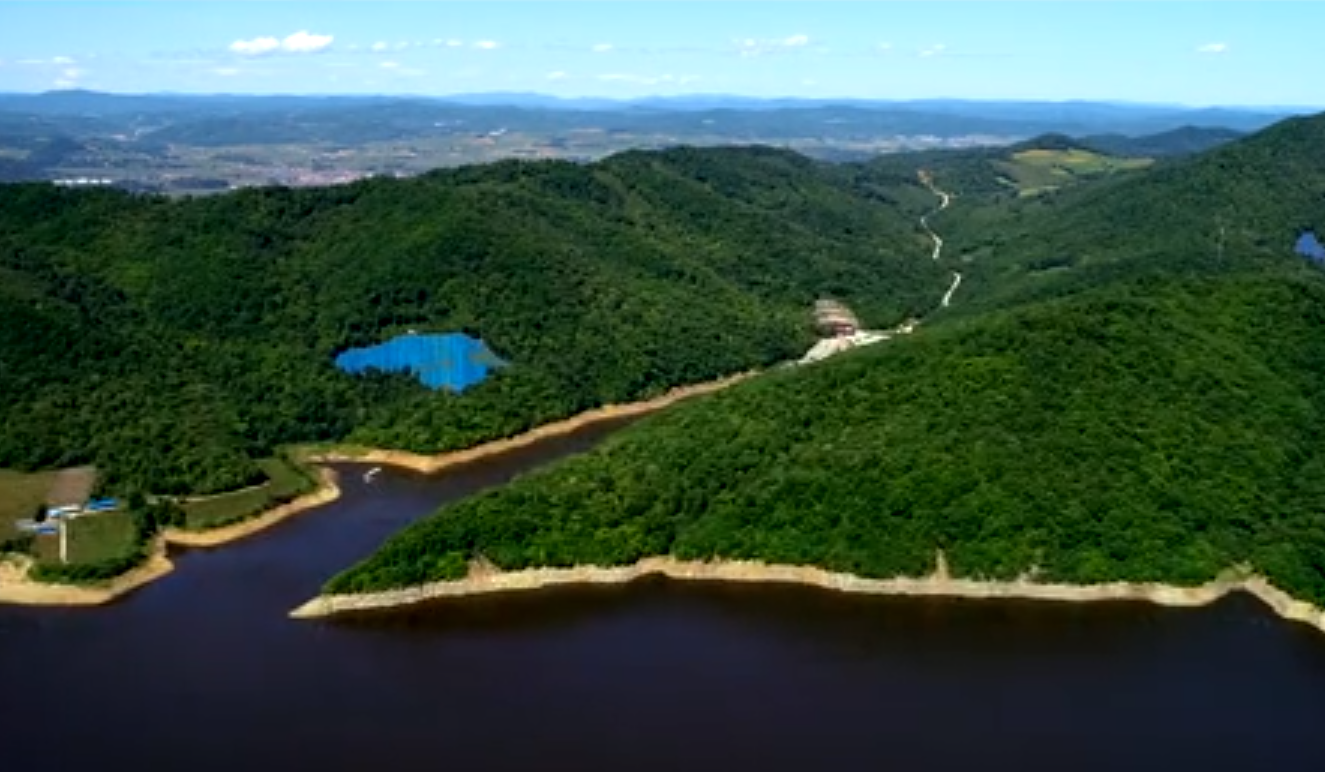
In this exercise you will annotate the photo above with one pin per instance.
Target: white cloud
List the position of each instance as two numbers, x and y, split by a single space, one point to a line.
226 72
486 45
883 47
256 46
389 65
69 76
301 42
454 43
1212 48
380 46
935 50
758 46
557 75
601 48
61 60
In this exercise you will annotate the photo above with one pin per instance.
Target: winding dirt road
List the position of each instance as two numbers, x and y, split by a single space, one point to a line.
944 200
828 347
947 296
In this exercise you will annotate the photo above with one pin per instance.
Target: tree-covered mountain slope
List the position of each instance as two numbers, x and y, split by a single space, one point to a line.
1236 208
1185 140
1155 415
171 342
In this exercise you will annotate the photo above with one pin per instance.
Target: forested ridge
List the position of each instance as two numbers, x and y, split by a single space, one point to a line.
1230 210
1132 388
173 342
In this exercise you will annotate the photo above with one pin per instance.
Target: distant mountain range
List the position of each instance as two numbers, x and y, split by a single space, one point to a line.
937 116
201 143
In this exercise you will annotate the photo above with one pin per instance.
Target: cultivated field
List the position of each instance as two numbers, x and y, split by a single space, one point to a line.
20 495
92 539
1037 171
284 482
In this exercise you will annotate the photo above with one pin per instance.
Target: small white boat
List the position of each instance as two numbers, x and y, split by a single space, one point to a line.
371 473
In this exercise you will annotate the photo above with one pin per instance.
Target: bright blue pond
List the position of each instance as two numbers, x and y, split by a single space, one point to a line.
451 361
1309 246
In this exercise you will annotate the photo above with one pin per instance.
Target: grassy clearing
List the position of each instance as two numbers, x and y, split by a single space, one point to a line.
98 538
313 449
284 482
1079 161
20 495
1037 171
92 539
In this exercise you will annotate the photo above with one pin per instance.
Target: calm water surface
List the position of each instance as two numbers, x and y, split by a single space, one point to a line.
204 671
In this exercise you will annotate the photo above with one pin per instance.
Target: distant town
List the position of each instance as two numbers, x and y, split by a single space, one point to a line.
206 144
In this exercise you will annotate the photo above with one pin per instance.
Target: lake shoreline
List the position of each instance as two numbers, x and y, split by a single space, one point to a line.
326 491
16 587
431 464
938 584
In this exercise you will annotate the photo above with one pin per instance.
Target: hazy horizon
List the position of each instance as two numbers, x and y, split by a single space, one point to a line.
680 97
1190 55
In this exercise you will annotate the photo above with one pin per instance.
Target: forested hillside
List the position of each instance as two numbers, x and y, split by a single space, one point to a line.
1237 208
171 342
1186 140
1134 388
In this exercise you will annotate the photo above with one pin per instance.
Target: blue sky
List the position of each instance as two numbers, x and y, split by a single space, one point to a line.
1228 53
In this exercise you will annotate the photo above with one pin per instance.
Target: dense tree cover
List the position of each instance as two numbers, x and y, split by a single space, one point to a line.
1138 433
1148 411
1236 208
173 342
1186 140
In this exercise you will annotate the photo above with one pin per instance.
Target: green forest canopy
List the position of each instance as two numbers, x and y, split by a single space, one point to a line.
1132 389
173 343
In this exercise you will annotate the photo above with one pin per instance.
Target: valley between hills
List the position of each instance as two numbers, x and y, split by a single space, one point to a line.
1116 381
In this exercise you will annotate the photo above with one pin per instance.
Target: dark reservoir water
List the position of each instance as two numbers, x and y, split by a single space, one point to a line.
204 671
